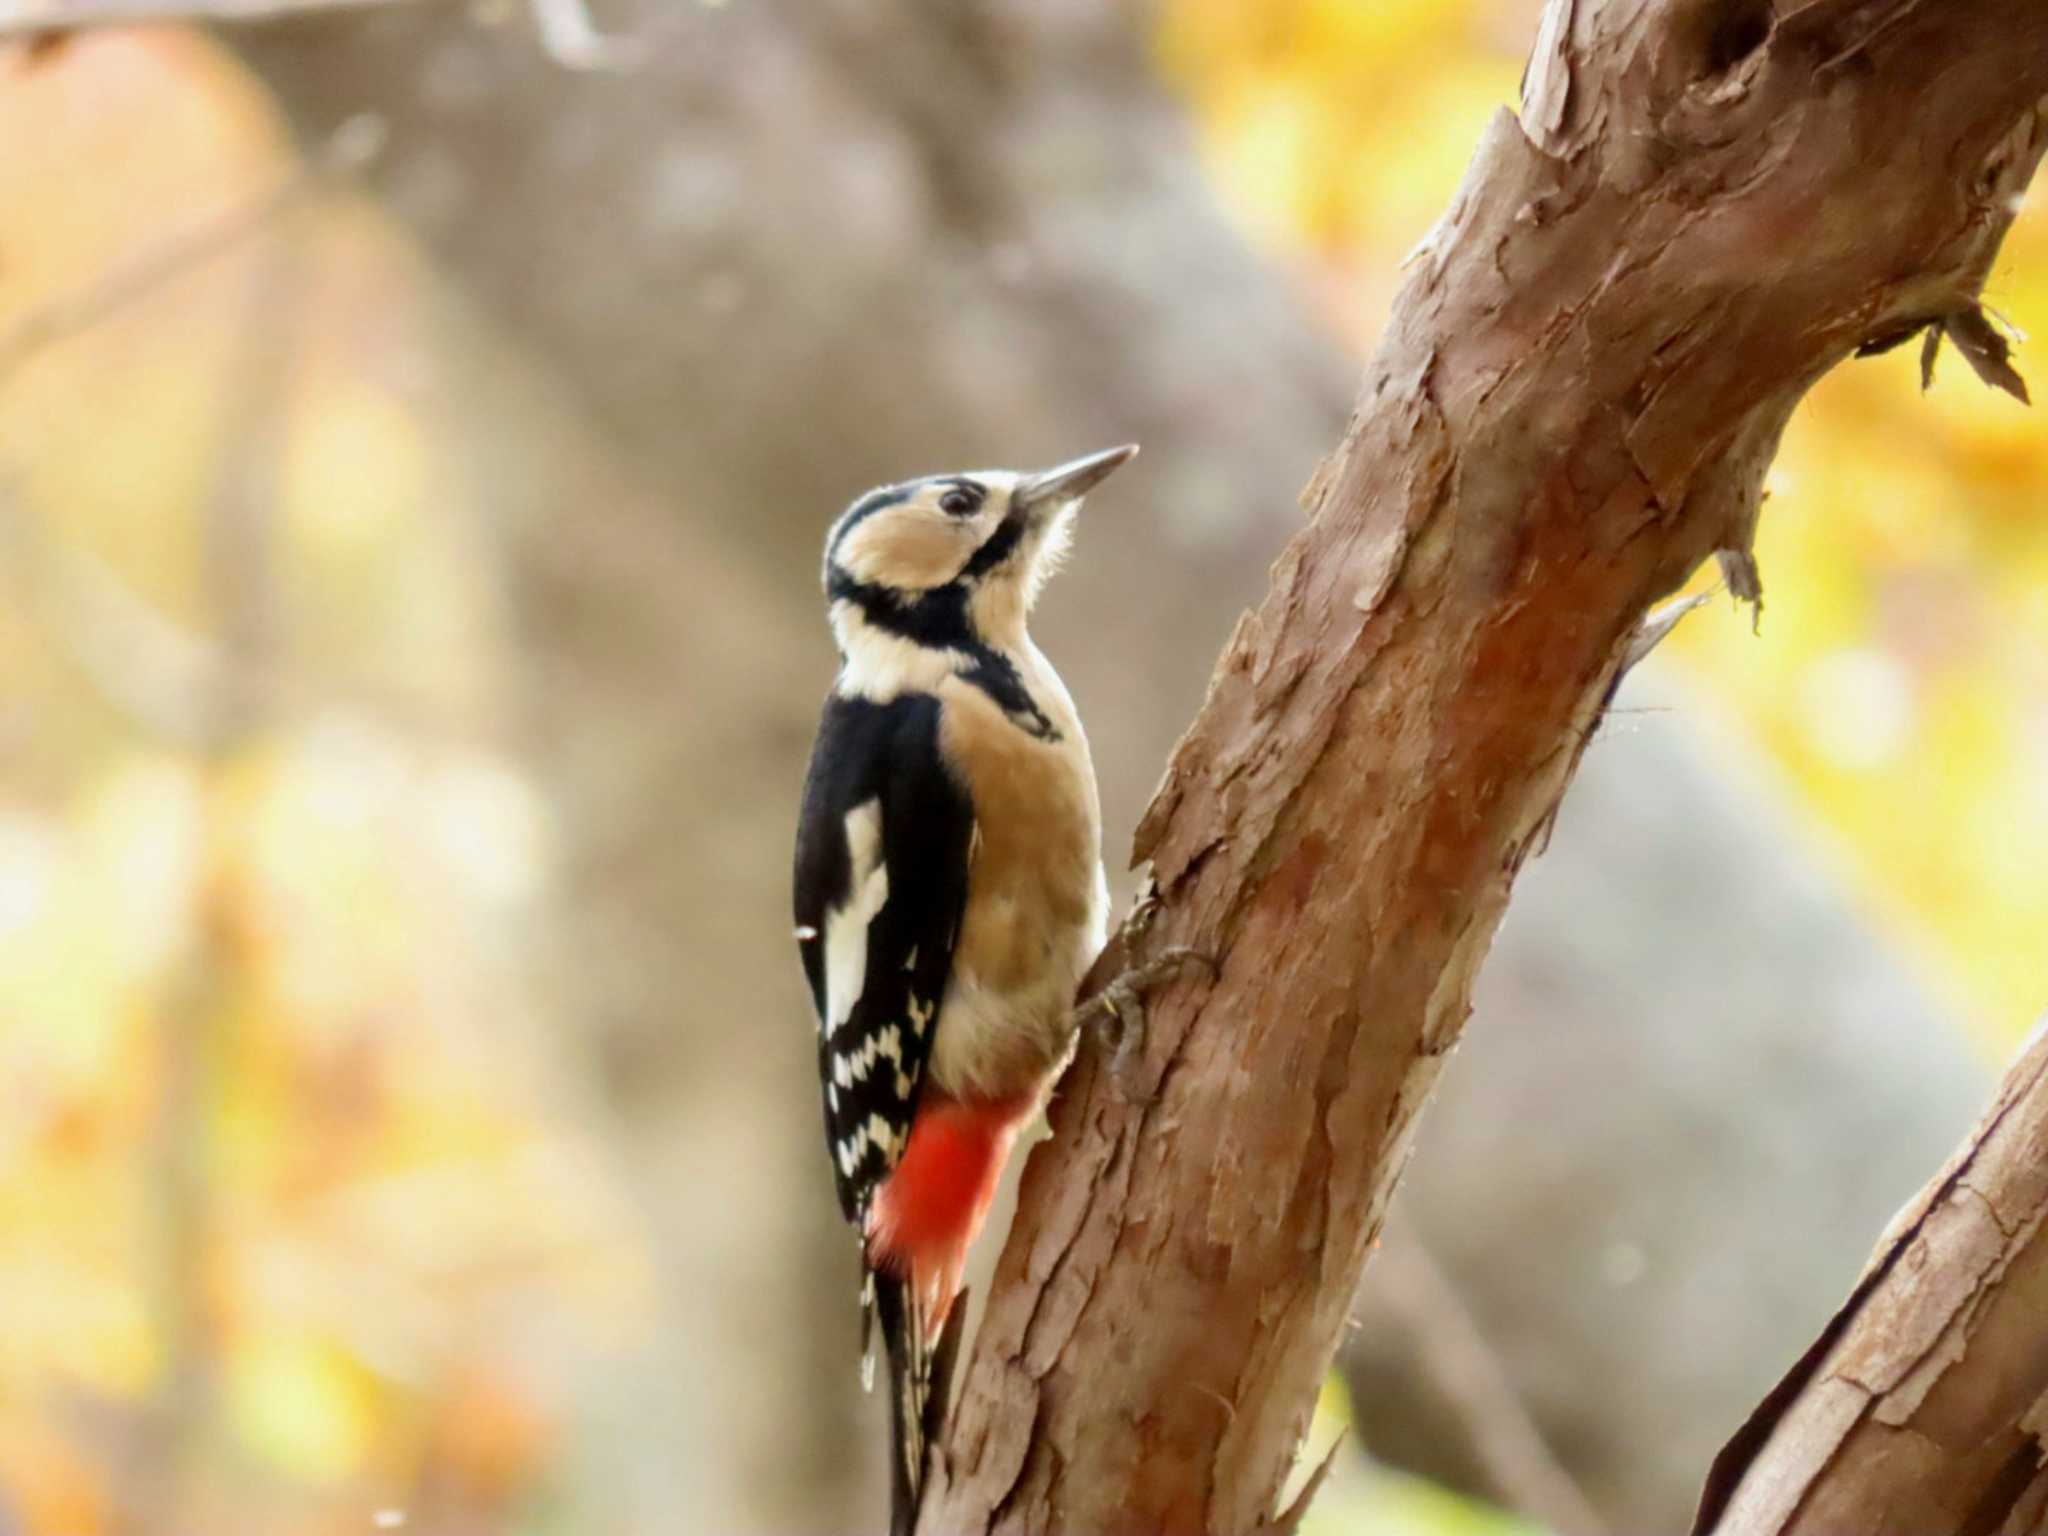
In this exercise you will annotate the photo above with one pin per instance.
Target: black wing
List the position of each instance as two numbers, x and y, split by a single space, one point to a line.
881 879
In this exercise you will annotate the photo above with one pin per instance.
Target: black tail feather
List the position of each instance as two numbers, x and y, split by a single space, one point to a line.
920 1383
939 1387
903 1342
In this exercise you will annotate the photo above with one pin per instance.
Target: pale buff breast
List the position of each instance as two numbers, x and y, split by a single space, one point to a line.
1037 902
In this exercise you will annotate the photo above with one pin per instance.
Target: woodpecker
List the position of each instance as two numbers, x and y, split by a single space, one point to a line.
949 889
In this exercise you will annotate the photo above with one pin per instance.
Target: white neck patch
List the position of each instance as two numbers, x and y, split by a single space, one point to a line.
881 666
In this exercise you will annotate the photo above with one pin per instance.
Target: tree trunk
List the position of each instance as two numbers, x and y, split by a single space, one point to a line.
1580 388
1923 1407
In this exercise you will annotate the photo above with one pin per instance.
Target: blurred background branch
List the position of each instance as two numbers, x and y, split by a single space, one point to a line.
351 147
196 1036
1486 1426
564 27
35 18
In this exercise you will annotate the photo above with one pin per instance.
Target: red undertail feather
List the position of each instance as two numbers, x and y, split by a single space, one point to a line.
928 1214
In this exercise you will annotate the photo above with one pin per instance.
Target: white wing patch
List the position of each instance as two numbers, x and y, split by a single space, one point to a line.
846 927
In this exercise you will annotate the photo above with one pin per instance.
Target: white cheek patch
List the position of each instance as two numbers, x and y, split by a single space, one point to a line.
846 927
907 548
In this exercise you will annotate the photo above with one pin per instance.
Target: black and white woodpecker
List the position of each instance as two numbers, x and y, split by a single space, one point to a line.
949 886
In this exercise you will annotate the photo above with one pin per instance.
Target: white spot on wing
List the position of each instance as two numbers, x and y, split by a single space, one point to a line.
850 1067
883 1135
806 933
889 1043
846 927
850 1150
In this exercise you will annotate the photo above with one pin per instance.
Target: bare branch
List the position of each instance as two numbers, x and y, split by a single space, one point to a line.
158 675
1579 391
1923 1406
350 148
1503 1435
166 680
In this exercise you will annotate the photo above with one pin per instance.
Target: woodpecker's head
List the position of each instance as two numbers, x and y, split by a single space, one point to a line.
952 557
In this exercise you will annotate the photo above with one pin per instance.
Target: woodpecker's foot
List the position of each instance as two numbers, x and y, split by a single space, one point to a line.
1117 1012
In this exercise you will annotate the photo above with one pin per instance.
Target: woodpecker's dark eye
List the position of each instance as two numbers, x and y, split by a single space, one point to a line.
960 501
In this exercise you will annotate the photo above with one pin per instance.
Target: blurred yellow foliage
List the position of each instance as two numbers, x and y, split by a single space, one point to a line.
284 1202
298 1399
53 1486
1901 678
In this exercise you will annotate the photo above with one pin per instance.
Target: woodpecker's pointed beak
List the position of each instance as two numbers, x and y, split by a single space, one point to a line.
1070 481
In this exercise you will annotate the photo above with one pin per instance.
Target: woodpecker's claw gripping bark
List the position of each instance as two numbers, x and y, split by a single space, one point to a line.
1117 1012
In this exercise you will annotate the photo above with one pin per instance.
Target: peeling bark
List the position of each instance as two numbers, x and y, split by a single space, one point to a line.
1923 1407
1577 395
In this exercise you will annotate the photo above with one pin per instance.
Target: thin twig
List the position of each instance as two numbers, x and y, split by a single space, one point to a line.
1457 1358
349 148
154 673
162 677
1288 1521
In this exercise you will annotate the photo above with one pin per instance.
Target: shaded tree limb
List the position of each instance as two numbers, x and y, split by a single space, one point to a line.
1923 1405
1581 385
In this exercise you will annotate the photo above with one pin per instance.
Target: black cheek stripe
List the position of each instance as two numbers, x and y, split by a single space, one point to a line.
938 620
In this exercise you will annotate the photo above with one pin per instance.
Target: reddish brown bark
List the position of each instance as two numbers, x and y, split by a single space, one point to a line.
1704 209
1923 1408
